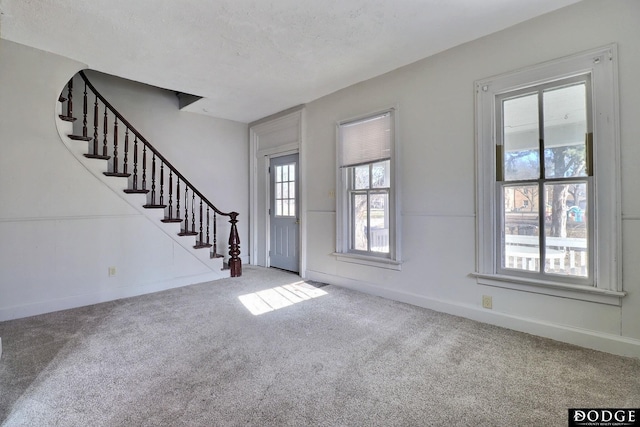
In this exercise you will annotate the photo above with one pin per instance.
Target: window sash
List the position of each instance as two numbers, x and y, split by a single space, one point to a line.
370 190
534 264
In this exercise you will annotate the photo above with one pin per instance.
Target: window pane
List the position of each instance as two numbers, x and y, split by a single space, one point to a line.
292 190
278 173
521 246
292 172
565 127
521 138
279 207
380 174
361 177
278 191
285 173
292 207
285 191
566 231
379 232
359 231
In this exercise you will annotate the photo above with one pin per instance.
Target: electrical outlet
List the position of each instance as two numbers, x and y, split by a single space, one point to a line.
112 271
487 301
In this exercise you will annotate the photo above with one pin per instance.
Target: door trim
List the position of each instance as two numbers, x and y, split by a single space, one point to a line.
265 141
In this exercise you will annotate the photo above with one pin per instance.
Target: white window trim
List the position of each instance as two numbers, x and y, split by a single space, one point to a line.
602 64
393 259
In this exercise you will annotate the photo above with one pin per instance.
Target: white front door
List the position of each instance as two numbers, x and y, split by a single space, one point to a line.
284 217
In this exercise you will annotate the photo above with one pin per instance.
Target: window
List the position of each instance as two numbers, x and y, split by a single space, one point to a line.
548 181
366 190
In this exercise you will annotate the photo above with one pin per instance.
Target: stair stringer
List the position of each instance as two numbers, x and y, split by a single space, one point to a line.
97 167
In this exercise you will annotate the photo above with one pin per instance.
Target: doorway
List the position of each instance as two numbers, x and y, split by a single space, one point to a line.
284 217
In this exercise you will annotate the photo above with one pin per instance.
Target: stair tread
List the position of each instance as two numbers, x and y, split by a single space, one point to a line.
97 156
80 138
67 118
135 191
200 245
121 174
169 220
188 233
150 206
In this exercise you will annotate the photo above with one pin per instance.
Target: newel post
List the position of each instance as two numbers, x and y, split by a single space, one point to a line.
235 263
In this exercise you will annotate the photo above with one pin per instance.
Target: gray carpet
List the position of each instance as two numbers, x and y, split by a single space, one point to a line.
196 356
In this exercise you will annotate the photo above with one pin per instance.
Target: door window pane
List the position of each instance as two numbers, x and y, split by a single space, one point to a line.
285 190
521 138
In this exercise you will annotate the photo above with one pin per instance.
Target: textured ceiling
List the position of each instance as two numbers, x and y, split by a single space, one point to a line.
252 58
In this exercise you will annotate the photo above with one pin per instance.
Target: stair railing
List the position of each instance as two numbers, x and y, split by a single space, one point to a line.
198 211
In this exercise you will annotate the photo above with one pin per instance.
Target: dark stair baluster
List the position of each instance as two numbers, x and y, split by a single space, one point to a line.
178 200
153 204
115 146
215 238
68 117
115 153
161 183
207 224
84 112
96 126
70 99
144 167
126 152
186 231
170 193
170 217
193 211
105 130
200 243
84 136
96 118
135 188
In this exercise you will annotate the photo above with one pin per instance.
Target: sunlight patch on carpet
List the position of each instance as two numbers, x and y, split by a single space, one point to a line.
279 297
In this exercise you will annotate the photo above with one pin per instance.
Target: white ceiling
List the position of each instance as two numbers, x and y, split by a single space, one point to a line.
252 58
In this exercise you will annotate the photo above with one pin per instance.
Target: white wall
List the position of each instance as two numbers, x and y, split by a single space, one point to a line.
436 136
60 228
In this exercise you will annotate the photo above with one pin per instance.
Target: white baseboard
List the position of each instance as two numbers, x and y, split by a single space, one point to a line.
82 300
595 340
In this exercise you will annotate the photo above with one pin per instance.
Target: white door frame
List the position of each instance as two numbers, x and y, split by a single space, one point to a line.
274 137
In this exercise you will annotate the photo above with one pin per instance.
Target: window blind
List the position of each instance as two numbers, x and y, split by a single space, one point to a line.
366 141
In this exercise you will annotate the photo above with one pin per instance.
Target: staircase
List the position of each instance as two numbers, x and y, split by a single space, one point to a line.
117 154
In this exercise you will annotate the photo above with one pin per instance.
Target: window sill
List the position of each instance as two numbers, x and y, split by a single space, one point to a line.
583 293
369 260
